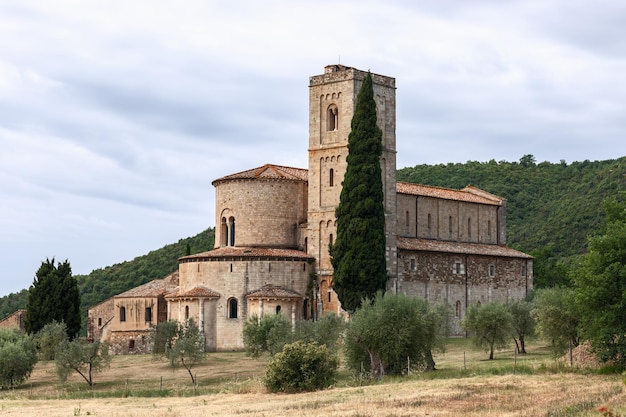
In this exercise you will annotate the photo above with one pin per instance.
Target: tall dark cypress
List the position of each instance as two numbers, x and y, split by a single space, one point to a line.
358 255
54 295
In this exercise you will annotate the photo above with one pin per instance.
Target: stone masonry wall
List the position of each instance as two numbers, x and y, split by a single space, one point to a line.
477 279
449 220
99 320
233 279
266 212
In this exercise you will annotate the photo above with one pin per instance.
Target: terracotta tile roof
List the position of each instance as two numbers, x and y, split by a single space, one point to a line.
468 194
248 252
154 288
428 245
273 291
196 292
268 171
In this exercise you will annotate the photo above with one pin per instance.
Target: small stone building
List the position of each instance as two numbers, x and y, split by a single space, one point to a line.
274 225
17 320
126 320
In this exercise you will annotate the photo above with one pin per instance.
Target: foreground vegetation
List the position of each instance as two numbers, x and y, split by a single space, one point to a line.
230 384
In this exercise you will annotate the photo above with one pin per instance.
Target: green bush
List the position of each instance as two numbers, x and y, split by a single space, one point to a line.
18 356
301 367
269 334
391 332
49 338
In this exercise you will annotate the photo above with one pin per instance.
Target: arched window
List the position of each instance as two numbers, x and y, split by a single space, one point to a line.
224 233
122 313
330 239
333 118
331 177
186 312
231 228
277 309
232 308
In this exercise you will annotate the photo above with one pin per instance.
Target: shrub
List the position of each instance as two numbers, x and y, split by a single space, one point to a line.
49 338
269 334
301 367
18 356
385 332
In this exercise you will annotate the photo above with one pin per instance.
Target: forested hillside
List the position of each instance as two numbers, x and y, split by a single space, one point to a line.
551 207
103 283
551 210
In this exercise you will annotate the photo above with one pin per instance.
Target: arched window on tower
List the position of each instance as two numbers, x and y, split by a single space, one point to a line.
331 177
332 118
223 232
186 312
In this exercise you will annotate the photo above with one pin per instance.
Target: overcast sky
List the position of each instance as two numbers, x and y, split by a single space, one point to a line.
115 116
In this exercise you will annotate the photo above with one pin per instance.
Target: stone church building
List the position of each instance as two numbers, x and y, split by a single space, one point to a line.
274 224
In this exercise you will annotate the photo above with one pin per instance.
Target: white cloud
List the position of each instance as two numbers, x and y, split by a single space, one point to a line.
115 117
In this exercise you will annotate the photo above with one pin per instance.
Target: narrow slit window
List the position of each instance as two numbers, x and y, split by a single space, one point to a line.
232 308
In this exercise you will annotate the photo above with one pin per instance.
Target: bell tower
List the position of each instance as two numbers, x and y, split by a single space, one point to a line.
332 99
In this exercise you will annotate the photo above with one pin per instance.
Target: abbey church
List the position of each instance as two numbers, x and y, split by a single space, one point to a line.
274 225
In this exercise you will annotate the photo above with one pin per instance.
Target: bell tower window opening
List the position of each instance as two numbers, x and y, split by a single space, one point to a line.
331 177
332 116
223 233
231 234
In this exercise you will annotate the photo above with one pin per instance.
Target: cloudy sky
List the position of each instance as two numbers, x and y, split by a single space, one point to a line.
116 116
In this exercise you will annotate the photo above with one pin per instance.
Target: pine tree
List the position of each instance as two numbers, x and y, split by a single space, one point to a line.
53 296
358 255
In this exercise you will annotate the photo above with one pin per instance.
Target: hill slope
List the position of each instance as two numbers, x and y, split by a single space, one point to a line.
103 283
551 210
554 206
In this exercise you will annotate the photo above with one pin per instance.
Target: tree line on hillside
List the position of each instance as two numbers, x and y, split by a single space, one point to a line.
104 283
552 208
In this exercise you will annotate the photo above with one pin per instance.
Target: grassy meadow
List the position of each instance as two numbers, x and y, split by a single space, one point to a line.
230 384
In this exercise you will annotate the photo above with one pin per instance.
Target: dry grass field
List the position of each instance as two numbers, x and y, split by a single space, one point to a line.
230 384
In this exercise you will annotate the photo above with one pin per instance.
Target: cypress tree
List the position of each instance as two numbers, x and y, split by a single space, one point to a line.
358 255
53 296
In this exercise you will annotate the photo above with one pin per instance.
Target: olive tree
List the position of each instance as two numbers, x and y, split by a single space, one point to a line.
490 325
18 356
81 357
391 332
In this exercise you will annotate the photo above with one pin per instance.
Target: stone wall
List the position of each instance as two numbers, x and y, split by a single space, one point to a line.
233 279
130 342
266 212
15 320
99 320
462 280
